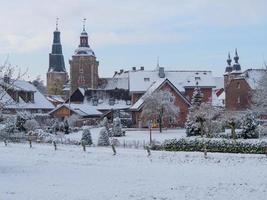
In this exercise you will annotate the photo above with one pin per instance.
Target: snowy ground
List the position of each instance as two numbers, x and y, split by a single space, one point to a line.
41 173
135 136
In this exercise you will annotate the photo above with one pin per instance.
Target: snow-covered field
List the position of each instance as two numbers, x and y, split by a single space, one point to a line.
41 173
134 136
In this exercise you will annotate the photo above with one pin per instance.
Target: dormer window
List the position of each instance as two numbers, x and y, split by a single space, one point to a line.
197 78
146 79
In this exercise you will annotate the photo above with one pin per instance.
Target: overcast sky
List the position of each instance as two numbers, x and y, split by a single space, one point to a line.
185 34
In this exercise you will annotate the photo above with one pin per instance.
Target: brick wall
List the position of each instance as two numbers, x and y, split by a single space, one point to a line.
237 95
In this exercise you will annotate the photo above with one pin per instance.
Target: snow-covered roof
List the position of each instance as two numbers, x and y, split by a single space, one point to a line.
153 87
253 76
119 83
140 81
104 104
40 101
81 109
85 51
55 98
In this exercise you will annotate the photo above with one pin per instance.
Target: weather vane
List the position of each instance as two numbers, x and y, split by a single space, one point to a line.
84 20
57 23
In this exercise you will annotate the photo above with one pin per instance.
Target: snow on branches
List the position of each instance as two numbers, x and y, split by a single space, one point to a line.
160 106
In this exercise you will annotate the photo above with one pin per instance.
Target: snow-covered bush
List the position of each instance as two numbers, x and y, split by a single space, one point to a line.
86 137
213 145
72 120
103 139
232 120
249 126
7 129
30 125
117 128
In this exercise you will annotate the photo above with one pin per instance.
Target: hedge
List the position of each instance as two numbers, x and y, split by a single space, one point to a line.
218 145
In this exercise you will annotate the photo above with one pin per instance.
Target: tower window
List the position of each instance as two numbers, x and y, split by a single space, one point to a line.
81 69
238 99
238 85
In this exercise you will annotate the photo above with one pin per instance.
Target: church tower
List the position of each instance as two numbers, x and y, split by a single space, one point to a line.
56 75
83 65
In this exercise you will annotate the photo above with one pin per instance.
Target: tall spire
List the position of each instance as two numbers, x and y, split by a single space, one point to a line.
236 66
229 60
228 68
236 58
84 36
84 20
56 58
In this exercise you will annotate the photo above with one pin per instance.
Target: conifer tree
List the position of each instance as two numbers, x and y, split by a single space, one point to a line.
193 124
86 137
249 126
103 139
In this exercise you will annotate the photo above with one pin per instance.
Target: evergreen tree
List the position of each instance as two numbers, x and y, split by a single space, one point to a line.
66 127
193 123
86 137
103 139
249 126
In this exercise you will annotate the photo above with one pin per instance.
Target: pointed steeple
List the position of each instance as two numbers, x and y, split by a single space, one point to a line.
228 67
56 58
84 36
236 66
236 58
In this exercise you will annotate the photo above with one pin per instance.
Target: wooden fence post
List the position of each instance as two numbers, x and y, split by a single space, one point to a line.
148 151
55 145
113 149
83 145
30 142
5 142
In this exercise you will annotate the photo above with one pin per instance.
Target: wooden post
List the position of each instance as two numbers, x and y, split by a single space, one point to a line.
5 142
113 149
83 145
55 145
205 151
148 151
150 132
30 142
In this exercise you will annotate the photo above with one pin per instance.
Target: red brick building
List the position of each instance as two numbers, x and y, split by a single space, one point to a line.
239 85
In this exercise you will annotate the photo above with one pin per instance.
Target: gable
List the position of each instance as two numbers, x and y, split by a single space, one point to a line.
77 96
163 84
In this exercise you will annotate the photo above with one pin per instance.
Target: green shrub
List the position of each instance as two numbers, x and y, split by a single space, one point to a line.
212 145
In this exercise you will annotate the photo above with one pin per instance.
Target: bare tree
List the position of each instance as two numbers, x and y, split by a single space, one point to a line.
259 95
8 77
160 106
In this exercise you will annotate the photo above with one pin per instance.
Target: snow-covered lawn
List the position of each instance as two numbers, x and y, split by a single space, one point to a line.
41 173
135 136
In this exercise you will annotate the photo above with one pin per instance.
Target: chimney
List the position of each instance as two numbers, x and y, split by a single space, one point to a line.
121 71
142 68
134 68
161 72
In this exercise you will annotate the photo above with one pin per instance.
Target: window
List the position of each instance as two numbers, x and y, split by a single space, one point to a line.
80 69
238 85
238 99
146 79
197 78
